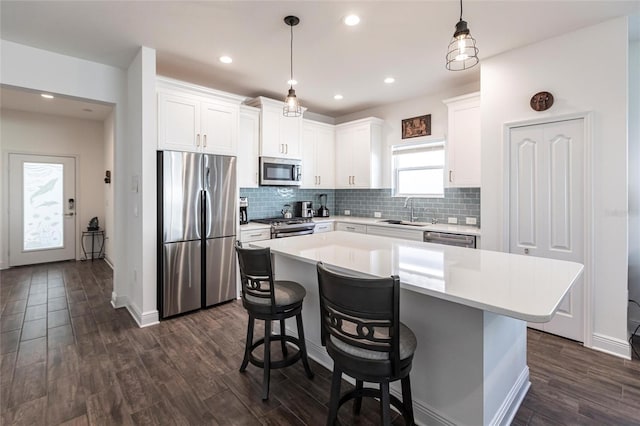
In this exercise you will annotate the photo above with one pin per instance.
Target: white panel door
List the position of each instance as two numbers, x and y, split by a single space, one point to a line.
547 206
42 209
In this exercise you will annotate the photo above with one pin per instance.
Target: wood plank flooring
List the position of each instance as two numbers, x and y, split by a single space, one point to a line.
68 358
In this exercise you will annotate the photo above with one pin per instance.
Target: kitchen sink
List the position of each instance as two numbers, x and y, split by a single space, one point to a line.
403 222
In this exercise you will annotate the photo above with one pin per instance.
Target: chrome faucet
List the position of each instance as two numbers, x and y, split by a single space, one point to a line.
406 202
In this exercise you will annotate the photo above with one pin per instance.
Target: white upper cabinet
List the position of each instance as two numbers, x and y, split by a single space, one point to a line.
463 141
194 118
318 155
248 147
280 136
358 154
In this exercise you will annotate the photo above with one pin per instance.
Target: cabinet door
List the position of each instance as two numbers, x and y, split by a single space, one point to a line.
343 154
270 145
463 143
290 135
178 122
361 160
309 172
219 124
248 140
325 157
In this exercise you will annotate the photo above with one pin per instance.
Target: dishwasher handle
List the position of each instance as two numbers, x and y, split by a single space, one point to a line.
450 239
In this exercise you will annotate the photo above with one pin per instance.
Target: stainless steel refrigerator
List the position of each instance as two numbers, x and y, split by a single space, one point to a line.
196 231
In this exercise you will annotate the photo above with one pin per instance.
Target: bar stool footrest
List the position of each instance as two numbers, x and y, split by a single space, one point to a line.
288 360
372 393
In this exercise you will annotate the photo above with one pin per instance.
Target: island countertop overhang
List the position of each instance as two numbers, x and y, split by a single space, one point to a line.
523 287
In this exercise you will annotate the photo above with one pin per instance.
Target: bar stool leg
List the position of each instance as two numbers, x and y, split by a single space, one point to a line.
385 404
357 404
303 346
267 359
336 380
283 343
407 402
248 343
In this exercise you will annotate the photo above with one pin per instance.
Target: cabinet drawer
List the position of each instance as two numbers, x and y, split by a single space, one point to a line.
351 227
386 231
323 227
255 235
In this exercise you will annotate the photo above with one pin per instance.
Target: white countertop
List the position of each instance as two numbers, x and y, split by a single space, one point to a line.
439 227
523 287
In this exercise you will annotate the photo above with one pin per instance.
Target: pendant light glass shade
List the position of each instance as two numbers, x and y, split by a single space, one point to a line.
462 53
292 106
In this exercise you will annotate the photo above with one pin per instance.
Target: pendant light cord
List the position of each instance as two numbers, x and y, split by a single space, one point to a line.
291 56
461 10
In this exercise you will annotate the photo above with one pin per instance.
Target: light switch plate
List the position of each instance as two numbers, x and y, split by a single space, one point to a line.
377 214
347 212
453 220
471 221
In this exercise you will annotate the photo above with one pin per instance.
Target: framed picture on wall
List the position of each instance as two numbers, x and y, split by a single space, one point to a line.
416 126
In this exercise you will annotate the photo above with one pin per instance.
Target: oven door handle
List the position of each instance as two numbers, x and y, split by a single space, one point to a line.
293 234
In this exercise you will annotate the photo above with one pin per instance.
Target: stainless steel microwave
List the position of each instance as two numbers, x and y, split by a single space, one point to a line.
280 171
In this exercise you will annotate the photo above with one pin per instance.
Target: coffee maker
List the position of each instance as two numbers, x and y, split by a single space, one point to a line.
304 209
244 203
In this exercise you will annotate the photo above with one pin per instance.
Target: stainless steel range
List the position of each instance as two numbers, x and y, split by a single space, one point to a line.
281 228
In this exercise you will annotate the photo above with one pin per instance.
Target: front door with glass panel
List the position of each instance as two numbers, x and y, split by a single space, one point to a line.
42 209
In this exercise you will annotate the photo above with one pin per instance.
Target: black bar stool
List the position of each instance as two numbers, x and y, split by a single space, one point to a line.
361 329
269 300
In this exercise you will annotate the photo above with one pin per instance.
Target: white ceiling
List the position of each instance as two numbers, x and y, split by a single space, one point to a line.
406 40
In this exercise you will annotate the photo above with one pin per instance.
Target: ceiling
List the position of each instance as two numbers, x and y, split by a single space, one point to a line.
403 39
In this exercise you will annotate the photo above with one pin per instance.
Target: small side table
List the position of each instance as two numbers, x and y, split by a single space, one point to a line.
95 252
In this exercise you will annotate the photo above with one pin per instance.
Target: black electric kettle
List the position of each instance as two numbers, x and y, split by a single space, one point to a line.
323 211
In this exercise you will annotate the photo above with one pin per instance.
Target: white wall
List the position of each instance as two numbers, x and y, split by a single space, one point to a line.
580 82
31 133
634 181
393 114
108 152
140 296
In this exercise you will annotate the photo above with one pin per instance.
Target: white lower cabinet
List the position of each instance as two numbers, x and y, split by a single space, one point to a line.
323 227
255 235
387 231
351 227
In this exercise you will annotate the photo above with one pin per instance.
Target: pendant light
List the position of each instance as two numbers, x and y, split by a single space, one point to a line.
292 106
462 53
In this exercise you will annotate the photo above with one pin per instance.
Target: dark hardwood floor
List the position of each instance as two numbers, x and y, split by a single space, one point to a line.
68 358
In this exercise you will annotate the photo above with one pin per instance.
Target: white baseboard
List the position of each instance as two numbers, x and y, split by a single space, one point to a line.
108 262
143 319
611 346
510 405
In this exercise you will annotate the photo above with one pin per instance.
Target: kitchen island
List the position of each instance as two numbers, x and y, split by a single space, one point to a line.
468 309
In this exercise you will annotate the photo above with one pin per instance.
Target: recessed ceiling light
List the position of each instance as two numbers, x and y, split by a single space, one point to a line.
389 80
292 82
46 96
338 97
226 59
352 20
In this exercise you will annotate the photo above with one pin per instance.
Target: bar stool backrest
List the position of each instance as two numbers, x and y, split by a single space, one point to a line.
256 274
362 313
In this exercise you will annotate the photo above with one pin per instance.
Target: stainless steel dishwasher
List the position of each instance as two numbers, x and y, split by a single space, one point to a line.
449 239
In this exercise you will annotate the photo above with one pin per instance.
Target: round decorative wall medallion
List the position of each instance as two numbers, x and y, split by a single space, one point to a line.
541 101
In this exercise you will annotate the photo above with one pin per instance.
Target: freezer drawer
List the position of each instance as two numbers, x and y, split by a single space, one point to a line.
220 270
181 278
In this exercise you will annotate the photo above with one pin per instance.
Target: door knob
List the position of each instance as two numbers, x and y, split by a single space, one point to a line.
68 214
526 251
